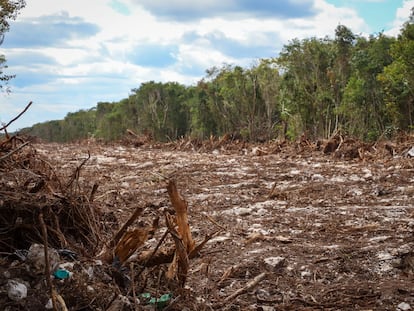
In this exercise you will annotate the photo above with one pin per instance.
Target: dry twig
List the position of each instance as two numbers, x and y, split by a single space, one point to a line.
13 151
248 286
47 265
18 116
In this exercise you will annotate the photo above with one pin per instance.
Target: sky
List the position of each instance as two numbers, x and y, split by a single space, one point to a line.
70 55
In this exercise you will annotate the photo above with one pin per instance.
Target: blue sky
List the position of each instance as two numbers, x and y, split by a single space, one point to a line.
70 55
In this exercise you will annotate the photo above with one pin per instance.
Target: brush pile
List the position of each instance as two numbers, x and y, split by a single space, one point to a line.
30 186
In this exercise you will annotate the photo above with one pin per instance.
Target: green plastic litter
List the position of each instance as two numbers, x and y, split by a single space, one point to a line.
61 274
146 295
160 302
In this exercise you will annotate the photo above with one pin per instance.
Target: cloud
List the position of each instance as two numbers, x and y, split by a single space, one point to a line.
252 45
29 57
50 30
188 10
401 16
70 55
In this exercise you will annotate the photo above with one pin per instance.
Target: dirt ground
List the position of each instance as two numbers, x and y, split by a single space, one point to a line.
322 232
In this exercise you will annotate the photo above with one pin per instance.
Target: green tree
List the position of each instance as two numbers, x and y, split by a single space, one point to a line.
9 10
363 107
398 78
104 121
306 88
203 123
161 108
340 72
269 88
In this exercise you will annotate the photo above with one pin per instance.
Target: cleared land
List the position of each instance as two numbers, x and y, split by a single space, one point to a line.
321 231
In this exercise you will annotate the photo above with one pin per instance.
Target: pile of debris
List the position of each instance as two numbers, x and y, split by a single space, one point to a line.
57 253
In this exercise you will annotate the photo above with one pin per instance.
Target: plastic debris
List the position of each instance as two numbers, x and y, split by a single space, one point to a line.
21 254
36 258
159 302
16 290
68 254
61 274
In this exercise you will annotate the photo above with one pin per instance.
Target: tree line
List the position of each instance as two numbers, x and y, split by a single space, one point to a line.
363 86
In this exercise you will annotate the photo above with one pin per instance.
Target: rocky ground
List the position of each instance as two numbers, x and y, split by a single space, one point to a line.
294 228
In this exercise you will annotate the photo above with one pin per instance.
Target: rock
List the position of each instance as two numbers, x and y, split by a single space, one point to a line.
305 274
410 152
16 290
317 177
49 305
403 306
275 262
119 304
242 211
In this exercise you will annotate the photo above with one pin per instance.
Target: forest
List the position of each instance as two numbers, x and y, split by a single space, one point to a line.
361 86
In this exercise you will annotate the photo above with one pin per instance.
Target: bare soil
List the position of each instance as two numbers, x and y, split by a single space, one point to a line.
329 232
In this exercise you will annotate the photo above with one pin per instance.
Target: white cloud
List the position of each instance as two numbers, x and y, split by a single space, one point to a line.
100 67
401 16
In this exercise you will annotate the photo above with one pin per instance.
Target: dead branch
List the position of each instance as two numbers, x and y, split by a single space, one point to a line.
47 264
180 207
246 288
107 253
130 242
215 222
18 116
152 254
13 151
340 143
132 133
271 193
93 192
180 264
129 222
228 273
76 174
198 248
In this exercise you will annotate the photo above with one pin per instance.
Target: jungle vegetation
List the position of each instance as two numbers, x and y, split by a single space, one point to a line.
363 86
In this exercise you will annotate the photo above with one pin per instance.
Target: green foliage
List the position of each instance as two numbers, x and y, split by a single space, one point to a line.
307 85
398 78
8 11
363 108
161 110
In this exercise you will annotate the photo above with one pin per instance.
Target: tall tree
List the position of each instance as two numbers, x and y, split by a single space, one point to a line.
398 77
161 109
268 80
341 71
363 108
306 85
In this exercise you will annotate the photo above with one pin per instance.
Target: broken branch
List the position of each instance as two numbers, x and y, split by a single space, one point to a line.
13 151
248 286
180 207
18 116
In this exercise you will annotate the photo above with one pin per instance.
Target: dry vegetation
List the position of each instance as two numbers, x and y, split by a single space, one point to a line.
219 225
